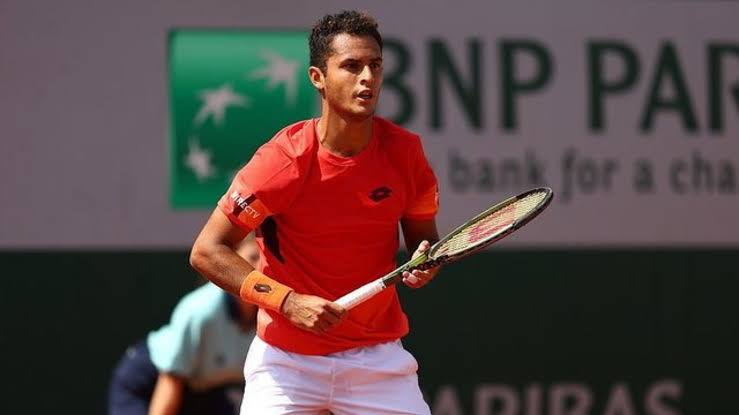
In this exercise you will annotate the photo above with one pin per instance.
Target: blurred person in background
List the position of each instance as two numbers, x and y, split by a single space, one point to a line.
194 364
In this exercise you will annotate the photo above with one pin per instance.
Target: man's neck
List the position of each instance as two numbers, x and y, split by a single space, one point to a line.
343 137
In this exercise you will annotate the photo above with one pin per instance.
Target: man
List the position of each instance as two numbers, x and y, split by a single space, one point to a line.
326 196
194 364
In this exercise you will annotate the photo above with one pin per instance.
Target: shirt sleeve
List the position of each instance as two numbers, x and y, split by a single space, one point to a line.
425 203
174 347
264 187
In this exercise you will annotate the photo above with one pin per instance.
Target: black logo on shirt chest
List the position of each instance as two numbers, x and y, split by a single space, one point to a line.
382 192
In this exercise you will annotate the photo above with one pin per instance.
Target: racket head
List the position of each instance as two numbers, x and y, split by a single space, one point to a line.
490 226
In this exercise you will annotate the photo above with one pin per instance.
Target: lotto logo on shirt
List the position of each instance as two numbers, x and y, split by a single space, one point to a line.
374 197
230 90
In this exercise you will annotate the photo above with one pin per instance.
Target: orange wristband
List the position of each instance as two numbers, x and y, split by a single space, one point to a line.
263 291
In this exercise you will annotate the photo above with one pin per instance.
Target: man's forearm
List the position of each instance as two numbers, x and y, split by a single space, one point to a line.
221 265
167 396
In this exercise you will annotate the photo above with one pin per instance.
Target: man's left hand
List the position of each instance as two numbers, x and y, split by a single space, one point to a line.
418 278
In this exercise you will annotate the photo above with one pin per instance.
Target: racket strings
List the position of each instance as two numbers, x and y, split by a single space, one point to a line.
492 224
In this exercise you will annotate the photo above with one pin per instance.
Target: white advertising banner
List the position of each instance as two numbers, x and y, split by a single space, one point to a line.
631 115
629 111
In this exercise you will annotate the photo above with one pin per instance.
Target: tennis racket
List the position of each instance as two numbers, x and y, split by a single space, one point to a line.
488 227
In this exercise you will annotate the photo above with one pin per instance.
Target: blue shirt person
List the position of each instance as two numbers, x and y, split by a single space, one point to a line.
193 364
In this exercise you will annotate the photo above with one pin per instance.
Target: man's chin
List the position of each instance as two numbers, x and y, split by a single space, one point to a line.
363 113
357 114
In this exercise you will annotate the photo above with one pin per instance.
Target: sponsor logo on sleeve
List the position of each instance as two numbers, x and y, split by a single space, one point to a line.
242 204
248 209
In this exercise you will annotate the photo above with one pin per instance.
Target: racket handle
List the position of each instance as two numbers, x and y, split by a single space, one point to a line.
361 294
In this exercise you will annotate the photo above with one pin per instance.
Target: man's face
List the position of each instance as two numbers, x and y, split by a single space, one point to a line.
353 76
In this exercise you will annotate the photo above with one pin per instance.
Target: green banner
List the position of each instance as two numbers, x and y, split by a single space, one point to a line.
230 91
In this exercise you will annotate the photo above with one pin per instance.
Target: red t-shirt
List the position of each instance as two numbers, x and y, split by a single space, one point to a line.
329 224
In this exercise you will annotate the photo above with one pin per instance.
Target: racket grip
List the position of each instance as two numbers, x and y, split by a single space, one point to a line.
361 294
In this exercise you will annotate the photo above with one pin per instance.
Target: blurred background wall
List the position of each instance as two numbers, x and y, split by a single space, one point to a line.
619 300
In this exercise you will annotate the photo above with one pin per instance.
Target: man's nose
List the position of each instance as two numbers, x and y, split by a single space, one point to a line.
366 76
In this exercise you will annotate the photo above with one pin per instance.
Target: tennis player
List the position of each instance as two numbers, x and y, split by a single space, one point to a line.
326 196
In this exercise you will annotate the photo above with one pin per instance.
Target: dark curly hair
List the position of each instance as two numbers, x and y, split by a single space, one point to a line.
348 21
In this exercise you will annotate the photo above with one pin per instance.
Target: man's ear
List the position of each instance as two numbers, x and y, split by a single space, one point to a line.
316 77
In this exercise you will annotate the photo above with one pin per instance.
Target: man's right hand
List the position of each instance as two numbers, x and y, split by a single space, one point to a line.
312 313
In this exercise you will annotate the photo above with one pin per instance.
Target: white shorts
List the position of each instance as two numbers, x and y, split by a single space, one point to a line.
378 379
